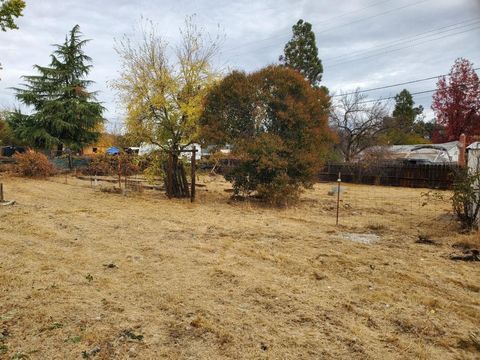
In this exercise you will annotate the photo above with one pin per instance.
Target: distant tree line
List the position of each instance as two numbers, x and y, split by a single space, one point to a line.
280 121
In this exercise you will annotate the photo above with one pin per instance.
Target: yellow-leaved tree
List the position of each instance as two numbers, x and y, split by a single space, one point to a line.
163 88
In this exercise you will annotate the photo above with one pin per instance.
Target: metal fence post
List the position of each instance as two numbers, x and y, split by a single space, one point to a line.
339 180
193 165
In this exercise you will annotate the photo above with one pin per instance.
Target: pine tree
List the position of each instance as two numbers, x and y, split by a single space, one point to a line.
404 111
65 113
402 128
301 53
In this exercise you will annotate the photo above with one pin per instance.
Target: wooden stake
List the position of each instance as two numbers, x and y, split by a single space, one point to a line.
1 193
169 186
125 169
183 183
119 172
193 165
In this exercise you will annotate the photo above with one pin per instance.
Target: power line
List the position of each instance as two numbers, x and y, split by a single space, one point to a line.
432 32
374 16
326 30
401 48
353 11
414 93
321 22
393 97
437 31
395 85
209 16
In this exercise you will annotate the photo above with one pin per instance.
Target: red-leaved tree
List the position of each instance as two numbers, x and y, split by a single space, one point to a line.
456 102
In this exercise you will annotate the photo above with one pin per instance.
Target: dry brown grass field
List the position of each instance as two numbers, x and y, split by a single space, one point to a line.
87 274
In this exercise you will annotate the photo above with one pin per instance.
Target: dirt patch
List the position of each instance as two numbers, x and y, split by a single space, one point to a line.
360 238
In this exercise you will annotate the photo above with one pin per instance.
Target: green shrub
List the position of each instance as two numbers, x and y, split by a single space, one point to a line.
264 169
281 191
466 198
153 166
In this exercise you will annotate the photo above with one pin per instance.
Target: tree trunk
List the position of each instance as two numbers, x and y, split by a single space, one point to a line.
176 184
59 149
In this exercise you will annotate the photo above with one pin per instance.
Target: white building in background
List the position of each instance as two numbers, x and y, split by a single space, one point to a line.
146 149
446 153
473 156
434 153
209 150
188 156
473 162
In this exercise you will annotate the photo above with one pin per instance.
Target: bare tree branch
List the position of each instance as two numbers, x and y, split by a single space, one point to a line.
357 123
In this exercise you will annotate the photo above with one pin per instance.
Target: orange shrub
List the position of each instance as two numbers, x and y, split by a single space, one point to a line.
33 164
104 164
101 164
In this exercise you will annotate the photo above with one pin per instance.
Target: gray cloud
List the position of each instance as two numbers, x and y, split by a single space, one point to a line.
255 33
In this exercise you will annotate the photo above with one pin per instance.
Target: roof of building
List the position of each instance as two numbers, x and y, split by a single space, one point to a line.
474 146
427 153
408 148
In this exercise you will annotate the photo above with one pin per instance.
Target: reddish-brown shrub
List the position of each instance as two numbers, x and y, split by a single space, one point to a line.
277 124
7 168
113 165
101 164
33 164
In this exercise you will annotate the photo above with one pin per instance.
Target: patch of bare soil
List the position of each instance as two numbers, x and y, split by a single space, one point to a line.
94 275
360 238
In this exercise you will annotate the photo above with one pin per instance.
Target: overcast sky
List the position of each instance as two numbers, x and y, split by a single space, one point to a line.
362 43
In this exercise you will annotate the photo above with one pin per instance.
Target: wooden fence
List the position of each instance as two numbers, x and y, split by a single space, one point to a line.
433 176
